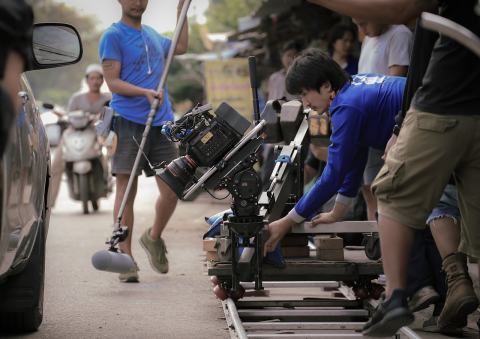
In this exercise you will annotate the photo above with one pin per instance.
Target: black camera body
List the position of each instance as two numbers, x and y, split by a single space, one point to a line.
215 135
206 137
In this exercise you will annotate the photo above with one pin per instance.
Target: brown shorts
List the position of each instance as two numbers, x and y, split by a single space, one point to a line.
428 150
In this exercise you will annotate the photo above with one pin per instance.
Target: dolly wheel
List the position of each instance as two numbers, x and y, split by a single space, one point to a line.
237 294
360 292
220 292
376 291
215 281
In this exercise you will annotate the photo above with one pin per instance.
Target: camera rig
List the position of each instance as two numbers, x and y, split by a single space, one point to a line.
216 140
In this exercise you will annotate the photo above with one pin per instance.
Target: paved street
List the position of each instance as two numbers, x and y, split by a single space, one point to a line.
81 302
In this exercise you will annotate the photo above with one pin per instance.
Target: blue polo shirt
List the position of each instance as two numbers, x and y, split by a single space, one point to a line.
127 45
363 115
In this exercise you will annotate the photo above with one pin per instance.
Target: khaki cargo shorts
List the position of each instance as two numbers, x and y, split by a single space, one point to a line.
428 150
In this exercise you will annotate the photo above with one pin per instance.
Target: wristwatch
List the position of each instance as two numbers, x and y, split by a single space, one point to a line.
396 130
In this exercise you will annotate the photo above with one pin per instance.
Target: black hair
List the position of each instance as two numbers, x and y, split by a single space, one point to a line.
311 69
337 32
86 75
290 45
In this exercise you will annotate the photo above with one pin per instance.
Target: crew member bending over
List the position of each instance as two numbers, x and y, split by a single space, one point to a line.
362 110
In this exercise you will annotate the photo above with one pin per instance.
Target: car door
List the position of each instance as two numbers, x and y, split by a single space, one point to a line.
24 171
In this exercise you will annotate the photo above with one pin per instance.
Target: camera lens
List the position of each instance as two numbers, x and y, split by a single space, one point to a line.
178 174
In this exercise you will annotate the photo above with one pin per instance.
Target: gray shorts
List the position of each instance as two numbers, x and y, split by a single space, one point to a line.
374 164
157 148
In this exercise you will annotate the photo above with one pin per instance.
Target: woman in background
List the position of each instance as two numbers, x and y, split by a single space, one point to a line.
340 45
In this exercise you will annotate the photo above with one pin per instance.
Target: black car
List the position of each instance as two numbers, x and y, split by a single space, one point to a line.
25 182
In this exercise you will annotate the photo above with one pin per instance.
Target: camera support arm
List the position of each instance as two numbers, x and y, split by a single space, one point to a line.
234 150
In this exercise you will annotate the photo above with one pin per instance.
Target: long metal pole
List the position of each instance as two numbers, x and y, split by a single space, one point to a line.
153 108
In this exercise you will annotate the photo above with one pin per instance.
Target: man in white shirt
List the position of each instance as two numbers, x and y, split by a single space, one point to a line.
386 50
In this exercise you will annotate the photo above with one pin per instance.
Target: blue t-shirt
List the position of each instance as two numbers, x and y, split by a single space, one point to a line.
363 115
127 45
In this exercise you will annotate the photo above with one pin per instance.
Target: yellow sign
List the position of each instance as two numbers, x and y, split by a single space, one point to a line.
229 81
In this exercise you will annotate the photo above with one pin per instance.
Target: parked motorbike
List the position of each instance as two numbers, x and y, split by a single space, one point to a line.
86 165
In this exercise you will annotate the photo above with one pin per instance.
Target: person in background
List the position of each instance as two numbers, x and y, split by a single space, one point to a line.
133 57
341 40
92 102
362 110
385 50
16 20
438 137
276 91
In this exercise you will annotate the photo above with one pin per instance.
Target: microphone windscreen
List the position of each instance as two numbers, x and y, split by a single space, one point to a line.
109 261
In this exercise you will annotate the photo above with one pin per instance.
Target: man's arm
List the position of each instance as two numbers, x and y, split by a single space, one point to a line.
383 11
111 72
183 40
14 67
398 71
321 153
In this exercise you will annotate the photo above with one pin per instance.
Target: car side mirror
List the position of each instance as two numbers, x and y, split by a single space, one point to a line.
55 45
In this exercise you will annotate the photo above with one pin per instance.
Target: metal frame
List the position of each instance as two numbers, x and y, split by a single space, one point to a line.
337 227
293 284
234 312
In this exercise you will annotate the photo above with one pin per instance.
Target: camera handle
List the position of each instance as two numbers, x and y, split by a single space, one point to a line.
252 66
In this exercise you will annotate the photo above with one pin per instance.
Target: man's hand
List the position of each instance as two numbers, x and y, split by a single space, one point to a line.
325 218
337 214
390 143
151 95
277 232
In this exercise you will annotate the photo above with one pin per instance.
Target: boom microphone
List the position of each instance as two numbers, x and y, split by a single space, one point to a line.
112 261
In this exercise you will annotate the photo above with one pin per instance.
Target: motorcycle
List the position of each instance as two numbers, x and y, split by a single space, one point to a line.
86 164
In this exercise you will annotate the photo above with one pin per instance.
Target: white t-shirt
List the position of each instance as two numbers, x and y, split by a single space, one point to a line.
392 48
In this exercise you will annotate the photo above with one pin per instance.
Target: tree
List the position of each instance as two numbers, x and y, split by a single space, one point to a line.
182 86
58 85
222 15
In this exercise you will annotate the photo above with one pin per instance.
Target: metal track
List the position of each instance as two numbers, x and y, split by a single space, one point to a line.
318 318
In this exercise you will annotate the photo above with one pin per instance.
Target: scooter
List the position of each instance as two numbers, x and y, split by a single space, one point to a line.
86 164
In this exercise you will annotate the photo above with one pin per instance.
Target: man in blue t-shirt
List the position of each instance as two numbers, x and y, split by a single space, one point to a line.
362 110
132 57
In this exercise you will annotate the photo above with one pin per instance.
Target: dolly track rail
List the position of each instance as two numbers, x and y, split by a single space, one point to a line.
257 327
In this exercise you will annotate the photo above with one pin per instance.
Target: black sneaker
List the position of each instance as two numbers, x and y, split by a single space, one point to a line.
391 315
